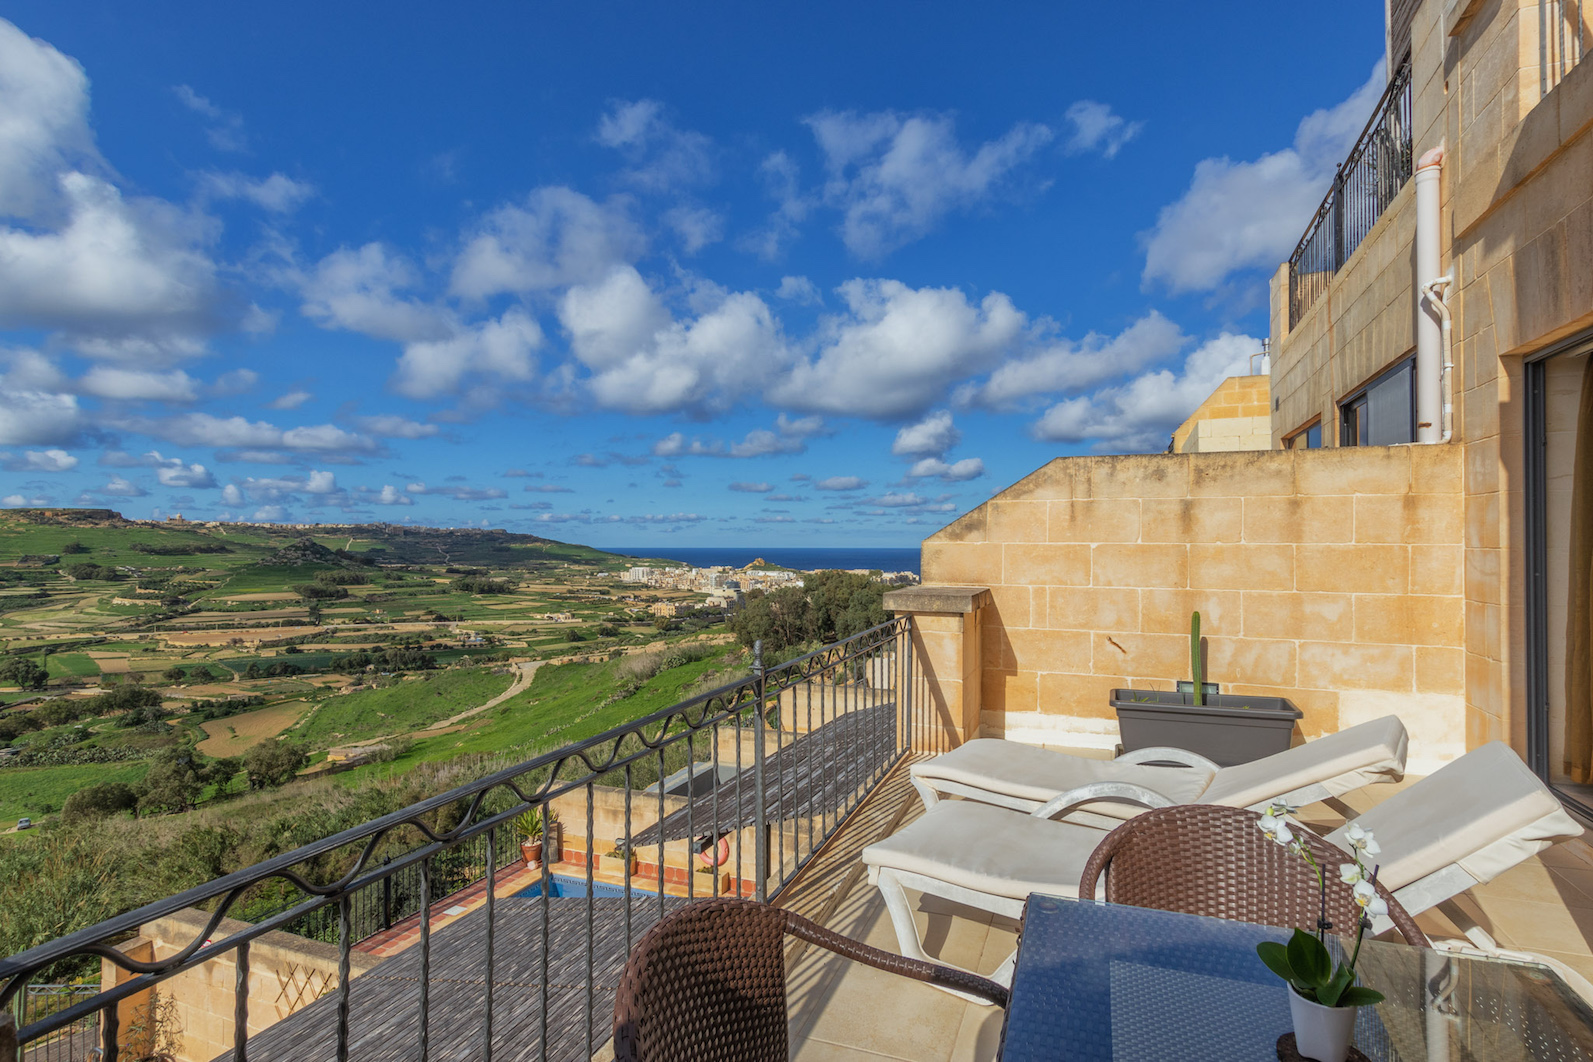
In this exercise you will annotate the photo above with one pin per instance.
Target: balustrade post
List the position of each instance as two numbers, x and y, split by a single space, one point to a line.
760 838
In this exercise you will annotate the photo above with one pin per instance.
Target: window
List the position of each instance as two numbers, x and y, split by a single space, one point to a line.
1307 438
1383 413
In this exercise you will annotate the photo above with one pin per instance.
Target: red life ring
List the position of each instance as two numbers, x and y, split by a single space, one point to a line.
715 855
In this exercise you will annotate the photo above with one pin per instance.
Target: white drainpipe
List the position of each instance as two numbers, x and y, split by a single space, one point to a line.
1433 408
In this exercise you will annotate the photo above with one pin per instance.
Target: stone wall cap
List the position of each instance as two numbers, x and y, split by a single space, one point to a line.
960 599
180 927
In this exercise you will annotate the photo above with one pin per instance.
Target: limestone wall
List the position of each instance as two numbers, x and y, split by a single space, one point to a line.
1235 416
1331 577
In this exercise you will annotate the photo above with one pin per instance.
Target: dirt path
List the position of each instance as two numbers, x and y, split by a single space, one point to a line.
523 674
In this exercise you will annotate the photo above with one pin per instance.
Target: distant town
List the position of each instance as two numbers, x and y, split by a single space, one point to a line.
727 587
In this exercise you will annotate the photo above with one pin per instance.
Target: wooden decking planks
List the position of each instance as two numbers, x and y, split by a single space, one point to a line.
384 1003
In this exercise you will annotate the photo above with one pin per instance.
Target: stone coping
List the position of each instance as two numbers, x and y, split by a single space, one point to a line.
959 599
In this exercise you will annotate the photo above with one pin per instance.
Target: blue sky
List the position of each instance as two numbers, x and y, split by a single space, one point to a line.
628 274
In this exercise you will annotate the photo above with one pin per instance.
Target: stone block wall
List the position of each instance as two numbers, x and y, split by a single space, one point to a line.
1331 577
1235 416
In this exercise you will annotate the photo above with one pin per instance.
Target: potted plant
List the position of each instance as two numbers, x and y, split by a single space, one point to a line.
528 824
624 854
1323 996
1225 728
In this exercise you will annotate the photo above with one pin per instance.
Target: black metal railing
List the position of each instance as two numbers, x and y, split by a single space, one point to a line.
733 790
70 1043
1562 38
1363 187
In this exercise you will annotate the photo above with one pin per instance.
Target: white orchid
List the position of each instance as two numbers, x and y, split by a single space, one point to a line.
1350 873
1362 840
1364 892
1275 827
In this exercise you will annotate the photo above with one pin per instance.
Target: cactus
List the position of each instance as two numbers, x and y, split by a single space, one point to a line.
1194 659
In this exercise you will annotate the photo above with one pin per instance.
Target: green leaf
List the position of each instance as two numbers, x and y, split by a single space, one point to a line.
1360 996
1329 996
1309 959
1276 956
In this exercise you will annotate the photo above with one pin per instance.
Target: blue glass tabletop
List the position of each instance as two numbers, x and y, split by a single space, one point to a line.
1100 982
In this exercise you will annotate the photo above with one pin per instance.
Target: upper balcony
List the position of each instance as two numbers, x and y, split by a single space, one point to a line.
1365 184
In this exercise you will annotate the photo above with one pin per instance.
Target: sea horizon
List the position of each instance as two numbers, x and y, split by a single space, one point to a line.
801 558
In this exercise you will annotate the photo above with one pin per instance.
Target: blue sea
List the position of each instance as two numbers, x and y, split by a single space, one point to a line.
800 557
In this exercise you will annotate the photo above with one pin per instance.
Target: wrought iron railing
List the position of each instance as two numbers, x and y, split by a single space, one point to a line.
1363 187
70 1043
749 780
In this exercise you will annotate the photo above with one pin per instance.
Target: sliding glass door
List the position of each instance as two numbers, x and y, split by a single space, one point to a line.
1559 469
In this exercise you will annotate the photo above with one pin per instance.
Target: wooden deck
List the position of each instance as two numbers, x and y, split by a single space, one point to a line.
384 1003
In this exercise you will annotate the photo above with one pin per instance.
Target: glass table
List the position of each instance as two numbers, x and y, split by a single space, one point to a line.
1097 981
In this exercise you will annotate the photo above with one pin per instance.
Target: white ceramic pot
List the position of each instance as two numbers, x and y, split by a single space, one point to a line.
1321 1033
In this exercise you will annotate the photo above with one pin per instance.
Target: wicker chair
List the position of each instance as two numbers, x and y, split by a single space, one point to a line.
707 984
1207 860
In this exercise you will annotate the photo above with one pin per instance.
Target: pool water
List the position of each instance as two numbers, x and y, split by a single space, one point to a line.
567 885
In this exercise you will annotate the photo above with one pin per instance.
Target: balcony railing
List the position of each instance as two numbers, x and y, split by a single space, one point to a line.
739 787
1562 36
1377 168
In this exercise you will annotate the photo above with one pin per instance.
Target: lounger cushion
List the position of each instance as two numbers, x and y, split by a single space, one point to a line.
1484 813
989 850
1032 773
1341 763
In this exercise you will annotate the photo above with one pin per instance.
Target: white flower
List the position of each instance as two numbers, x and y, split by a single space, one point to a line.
1365 893
1377 907
1350 873
1361 839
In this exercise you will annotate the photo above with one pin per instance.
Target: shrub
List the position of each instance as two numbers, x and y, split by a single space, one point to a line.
107 798
274 763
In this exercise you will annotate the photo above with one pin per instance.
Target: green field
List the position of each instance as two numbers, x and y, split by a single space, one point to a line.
38 791
72 665
409 705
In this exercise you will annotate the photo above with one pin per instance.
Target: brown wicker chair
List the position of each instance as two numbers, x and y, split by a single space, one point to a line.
707 984
1209 860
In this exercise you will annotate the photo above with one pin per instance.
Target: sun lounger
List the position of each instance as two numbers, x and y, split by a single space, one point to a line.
1102 793
1465 824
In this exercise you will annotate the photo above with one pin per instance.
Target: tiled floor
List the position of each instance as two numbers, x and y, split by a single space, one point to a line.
846 1012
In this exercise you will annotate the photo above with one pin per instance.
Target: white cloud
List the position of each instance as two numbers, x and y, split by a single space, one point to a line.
1097 128
458 493
751 488
392 426
122 488
18 499
38 418
956 472
893 500
189 477
44 103
224 129
935 434
203 429
1141 414
391 495
232 495
115 269
42 461
234 382
644 361
799 290
1249 215
357 290
697 227
897 349
500 348
277 193
290 400
894 178
548 488
270 514
1064 365
556 238
789 436
321 483
139 385
841 483
661 155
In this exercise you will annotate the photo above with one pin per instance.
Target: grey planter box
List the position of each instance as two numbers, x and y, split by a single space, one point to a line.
1228 729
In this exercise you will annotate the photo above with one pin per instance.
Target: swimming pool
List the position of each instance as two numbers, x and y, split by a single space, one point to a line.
569 885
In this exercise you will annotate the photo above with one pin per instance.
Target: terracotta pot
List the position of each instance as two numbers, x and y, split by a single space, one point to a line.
531 852
1321 1033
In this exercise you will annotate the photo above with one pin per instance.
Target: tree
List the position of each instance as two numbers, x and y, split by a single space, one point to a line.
96 801
274 763
174 674
172 784
201 673
23 672
220 773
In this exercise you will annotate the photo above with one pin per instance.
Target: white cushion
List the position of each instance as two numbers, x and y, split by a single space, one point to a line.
1341 763
989 850
1484 813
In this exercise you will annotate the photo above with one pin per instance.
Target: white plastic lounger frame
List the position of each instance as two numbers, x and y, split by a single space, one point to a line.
1462 826
1102 793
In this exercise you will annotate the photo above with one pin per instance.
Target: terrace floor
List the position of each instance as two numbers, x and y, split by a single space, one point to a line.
845 1012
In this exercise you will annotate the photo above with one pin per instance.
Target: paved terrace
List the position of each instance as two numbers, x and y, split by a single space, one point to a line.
840 1011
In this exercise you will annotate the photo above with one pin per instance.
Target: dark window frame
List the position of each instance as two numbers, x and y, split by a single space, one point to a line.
1535 444
1351 405
1315 423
